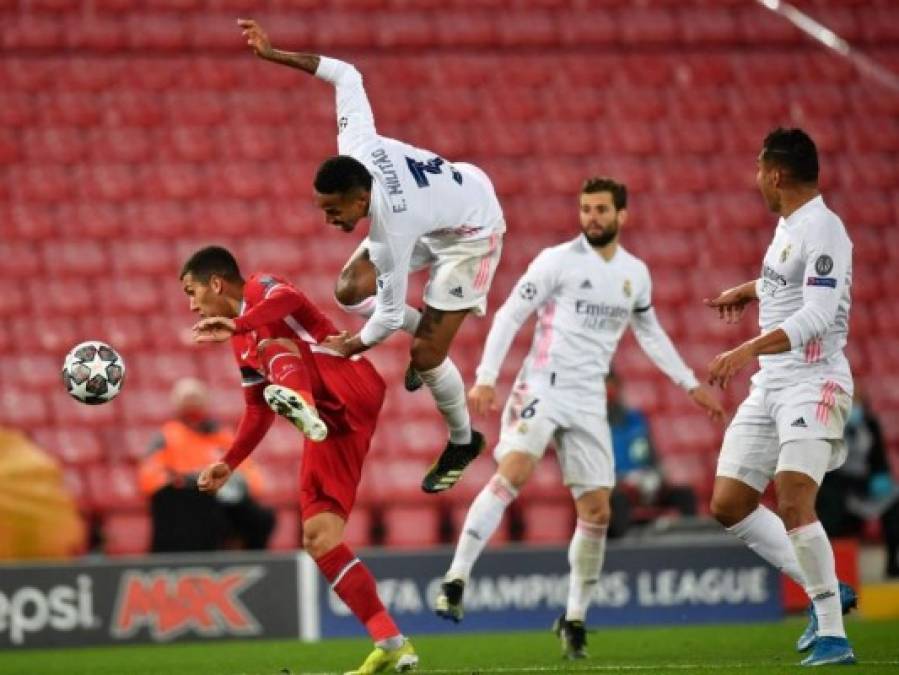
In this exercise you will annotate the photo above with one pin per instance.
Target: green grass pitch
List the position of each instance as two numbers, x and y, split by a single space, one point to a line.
744 648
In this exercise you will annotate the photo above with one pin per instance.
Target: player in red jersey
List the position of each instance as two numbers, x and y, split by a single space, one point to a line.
277 334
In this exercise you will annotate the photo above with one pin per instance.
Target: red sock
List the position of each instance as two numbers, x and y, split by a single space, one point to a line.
355 585
287 369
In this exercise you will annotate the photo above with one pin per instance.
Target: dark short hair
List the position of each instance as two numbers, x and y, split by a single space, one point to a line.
793 150
212 260
341 174
601 184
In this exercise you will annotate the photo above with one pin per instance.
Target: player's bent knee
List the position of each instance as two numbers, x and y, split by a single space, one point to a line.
516 468
318 542
795 512
593 507
727 511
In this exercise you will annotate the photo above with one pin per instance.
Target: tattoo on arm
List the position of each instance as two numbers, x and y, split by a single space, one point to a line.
305 62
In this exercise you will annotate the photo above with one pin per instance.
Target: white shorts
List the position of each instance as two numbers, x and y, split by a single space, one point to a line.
536 415
460 271
752 448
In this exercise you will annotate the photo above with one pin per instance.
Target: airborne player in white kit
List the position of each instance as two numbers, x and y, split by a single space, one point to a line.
790 427
586 292
424 212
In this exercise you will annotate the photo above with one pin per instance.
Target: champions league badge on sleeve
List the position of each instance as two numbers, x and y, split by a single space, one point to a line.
823 265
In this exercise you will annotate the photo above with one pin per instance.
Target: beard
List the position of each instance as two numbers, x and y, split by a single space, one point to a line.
600 240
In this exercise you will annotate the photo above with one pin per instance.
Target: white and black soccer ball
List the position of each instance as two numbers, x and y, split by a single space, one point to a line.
93 372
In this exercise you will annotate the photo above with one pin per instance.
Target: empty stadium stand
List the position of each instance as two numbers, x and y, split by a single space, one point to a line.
133 131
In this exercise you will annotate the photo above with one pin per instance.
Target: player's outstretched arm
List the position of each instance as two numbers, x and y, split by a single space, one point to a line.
258 40
732 303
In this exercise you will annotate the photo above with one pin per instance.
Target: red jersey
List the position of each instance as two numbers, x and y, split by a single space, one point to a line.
273 308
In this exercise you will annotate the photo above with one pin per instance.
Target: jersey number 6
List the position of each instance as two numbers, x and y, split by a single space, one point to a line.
529 410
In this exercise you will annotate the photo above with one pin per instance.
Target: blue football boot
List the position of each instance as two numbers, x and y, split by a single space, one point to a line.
830 651
848 600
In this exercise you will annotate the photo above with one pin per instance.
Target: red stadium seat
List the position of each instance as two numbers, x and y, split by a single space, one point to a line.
76 485
530 28
130 108
71 445
332 31
20 260
404 29
465 29
757 25
143 256
634 103
188 144
108 182
94 34
548 523
282 488
41 183
23 409
126 533
707 25
411 526
33 32
54 144
287 533
113 487
357 532
646 26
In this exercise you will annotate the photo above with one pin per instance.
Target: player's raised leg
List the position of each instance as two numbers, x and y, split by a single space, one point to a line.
483 517
429 357
290 395
353 583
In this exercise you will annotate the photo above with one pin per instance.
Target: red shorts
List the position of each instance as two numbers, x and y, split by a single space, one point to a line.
331 470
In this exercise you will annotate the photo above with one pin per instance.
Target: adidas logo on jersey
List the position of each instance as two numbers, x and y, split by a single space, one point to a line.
586 284
799 422
457 291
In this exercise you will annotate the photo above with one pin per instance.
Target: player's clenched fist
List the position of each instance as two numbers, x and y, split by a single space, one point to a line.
482 398
256 38
213 477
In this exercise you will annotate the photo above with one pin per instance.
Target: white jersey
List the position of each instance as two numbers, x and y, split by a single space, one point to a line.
415 194
804 290
583 304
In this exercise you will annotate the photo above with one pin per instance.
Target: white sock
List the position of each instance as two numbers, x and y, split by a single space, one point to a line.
366 308
815 557
585 557
448 390
764 532
483 518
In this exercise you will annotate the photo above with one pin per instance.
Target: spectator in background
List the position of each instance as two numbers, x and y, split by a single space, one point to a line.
639 481
863 488
185 519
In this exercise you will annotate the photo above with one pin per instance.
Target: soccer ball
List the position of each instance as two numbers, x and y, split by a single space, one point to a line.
93 372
